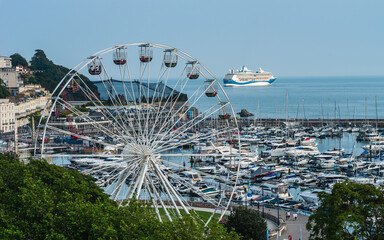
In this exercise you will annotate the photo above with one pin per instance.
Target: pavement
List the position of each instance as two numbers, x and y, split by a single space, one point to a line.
293 226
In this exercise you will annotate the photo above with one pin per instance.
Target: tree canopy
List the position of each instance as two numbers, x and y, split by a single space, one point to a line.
248 223
350 211
44 201
17 59
3 90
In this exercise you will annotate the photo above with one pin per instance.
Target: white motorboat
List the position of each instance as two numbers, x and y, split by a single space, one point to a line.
374 146
303 151
311 196
272 189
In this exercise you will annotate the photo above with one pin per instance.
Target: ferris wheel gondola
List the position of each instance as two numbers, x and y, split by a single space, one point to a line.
145 53
211 88
94 67
170 58
120 56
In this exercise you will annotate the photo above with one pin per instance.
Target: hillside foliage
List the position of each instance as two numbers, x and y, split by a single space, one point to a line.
3 90
44 201
17 59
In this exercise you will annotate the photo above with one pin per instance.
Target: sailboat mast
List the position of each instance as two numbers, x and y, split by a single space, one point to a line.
377 117
286 111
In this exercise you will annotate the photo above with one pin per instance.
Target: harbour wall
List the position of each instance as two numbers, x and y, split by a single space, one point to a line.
311 122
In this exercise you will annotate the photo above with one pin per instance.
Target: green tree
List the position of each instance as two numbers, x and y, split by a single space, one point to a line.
44 201
248 223
351 211
17 59
3 90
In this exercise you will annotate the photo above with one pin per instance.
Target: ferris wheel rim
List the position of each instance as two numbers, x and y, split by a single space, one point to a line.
75 70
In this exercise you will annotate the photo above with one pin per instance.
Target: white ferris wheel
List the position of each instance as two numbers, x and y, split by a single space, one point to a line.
159 128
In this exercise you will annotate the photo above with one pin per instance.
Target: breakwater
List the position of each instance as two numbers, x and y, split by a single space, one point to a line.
311 122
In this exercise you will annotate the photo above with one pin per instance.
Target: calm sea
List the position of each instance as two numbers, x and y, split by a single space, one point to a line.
310 97
327 97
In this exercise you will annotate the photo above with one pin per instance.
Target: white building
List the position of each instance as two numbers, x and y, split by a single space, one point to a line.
9 76
22 70
5 62
16 110
7 116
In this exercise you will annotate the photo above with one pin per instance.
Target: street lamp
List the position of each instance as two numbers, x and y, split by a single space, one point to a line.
278 210
262 193
246 195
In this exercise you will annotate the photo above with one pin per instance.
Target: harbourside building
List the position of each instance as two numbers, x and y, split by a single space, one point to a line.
15 111
9 75
7 116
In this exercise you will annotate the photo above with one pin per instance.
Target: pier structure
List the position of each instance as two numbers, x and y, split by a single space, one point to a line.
314 122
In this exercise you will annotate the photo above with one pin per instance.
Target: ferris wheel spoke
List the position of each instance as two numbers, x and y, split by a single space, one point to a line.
164 124
163 71
112 181
118 103
100 168
85 117
143 67
152 196
185 127
141 179
207 113
114 164
81 136
184 112
132 166
163 106
115 102
183 107
138 181
123 177
147 100
103 109
200 172
194 189
164 148
106 179
156 196
155 94
170 190
124 70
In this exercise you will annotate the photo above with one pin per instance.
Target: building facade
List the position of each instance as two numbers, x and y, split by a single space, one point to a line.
7 116
9 75
15 111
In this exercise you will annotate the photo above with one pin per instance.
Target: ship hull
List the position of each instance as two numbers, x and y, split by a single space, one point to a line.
233 83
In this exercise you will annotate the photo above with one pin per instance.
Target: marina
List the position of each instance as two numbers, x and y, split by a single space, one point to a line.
179 143
252 120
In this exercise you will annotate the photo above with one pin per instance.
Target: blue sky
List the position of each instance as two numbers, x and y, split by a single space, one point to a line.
288 38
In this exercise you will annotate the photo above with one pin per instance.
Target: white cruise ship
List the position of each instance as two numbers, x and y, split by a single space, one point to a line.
246 77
